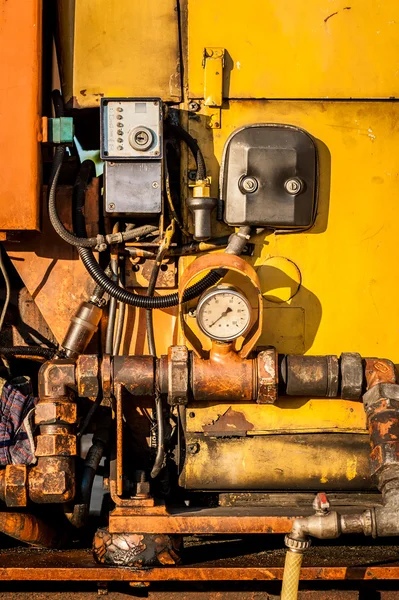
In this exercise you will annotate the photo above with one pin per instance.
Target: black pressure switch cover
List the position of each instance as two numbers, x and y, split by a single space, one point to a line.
269 177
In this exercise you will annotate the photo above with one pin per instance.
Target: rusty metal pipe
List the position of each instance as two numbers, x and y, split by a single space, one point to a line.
30 530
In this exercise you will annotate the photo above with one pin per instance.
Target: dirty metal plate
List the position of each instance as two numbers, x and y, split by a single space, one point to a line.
138 273
108 49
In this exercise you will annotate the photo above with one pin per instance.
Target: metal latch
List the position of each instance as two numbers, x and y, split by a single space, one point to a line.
213 64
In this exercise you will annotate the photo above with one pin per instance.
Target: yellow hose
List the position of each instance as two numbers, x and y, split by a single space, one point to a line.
292 569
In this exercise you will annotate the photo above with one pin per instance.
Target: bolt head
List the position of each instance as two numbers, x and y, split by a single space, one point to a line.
111 206
194 106
293 186
248 185
155 184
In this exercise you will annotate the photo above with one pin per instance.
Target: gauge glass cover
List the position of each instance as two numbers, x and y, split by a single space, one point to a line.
223 314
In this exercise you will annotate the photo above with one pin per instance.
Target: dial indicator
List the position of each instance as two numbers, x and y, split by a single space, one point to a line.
223 313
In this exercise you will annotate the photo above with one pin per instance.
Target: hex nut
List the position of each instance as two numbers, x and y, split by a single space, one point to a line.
57 444
15 485
55 412
178 375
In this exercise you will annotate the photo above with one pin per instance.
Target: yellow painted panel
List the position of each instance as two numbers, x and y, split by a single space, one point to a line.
349 259
119 48
289 415
298 48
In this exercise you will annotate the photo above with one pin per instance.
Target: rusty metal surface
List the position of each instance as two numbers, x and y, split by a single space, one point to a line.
224 377
193 593
55 378
87 375
178 375
138 272
232 422
15 485
267 365
135 374
209 560
46 263
378 370
136 550
314 376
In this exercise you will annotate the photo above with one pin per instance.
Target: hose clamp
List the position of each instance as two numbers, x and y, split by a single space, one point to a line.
296 545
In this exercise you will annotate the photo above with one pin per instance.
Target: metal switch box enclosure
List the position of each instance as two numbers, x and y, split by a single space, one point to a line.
131 128
131 146
269 177
133 188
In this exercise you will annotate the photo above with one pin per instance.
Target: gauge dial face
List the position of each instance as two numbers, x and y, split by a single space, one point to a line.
223 314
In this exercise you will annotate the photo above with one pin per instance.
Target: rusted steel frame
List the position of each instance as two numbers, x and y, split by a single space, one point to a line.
178 573
119 439
29 529
189 524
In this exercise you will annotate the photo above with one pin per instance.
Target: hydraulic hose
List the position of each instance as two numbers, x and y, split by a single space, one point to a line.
182 134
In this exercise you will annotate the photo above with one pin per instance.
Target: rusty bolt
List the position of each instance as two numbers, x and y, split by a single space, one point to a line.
193 448
55 412
15 485
57 444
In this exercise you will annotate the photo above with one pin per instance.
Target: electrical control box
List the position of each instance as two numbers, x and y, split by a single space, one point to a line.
269 177
131 146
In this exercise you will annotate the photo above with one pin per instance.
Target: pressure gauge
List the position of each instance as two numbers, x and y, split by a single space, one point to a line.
223 313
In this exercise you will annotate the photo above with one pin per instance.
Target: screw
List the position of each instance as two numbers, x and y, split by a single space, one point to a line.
111 206
194 106
191 415
192 175
192 312
119 109
293 186
120 132
248 184
155 184
120 147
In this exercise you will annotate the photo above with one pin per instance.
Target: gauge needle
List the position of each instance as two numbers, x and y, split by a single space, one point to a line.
224 313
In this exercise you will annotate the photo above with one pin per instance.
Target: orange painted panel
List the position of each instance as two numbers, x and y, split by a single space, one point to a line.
20 112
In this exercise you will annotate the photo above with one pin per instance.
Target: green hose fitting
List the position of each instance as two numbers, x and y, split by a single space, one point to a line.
292 566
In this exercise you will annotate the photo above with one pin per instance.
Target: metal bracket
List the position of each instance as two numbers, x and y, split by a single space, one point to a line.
213 63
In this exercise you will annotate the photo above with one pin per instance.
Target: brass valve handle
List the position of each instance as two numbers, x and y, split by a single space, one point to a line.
232 263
